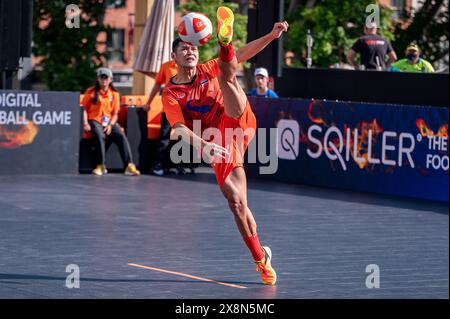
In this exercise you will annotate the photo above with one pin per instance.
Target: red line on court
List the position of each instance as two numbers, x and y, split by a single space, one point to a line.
187 276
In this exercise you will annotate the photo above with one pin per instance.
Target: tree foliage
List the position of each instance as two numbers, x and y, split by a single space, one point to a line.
335 25
68 56
429 29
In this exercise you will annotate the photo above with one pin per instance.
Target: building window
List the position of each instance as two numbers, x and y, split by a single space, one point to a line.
115 45
399 7
115 4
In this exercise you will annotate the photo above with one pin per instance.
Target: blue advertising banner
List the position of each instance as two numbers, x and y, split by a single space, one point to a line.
390 149
39 132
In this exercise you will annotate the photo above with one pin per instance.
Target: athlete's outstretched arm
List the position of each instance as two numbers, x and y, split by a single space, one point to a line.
253 48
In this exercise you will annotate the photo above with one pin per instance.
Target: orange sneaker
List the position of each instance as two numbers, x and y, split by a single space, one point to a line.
268 274
225 20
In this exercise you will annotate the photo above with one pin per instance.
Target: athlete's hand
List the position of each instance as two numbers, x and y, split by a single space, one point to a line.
214 152
279 28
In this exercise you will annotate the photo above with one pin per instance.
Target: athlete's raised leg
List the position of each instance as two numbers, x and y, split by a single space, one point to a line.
235 99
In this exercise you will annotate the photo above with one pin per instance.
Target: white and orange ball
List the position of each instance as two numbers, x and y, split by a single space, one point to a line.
195 29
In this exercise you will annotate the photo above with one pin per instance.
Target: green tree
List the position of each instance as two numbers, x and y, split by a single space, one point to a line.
209 7
429 29
68 56
335 25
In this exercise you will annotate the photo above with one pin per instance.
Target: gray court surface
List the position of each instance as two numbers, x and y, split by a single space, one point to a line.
174 237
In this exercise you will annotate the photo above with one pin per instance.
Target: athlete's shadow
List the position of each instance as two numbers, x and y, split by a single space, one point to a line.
16 279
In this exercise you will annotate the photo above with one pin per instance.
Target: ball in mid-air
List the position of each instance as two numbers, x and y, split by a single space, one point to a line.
195 29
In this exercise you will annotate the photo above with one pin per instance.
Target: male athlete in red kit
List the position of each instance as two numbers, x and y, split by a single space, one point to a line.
211 93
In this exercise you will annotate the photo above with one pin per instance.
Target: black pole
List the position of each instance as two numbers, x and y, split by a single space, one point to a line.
7 79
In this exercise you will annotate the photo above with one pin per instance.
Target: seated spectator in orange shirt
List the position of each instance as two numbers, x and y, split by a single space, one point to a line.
101 105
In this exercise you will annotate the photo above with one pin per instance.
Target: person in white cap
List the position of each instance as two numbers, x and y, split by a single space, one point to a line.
262 84
101 104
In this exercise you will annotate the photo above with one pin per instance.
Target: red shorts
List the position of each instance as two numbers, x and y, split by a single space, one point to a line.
236 144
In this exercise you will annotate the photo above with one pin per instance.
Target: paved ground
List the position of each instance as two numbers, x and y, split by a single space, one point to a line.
153 237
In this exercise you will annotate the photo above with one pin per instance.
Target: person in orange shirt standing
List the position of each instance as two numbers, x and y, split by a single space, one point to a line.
166 72
101 105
